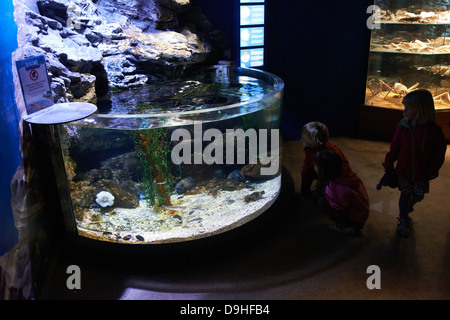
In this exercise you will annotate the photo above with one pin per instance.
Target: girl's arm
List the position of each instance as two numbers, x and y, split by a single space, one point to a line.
392 154
437 153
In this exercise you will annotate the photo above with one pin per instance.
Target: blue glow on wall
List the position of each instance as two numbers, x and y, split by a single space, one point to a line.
9 119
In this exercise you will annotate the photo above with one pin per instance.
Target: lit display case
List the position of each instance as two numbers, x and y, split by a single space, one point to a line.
409 49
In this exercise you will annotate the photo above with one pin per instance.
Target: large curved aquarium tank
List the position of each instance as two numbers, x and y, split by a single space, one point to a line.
175 161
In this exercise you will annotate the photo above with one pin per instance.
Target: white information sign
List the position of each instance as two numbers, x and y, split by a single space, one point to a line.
35 83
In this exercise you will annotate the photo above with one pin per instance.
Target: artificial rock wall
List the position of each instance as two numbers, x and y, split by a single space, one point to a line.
92 47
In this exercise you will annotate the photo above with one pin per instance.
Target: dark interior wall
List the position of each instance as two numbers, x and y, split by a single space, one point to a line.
223 15
320 49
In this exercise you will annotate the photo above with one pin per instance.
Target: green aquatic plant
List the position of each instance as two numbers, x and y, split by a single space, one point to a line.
152 149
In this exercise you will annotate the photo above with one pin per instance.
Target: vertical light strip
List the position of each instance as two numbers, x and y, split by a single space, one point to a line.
251 33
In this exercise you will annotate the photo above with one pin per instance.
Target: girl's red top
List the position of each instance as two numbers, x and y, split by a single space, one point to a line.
419 152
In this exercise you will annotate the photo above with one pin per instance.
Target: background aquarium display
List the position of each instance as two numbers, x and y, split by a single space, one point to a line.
176 160
409 49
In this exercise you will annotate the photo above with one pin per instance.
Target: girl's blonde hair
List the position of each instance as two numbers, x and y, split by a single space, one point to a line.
315 133
422 102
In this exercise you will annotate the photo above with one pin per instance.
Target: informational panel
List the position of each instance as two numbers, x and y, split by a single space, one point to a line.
252 15
252 57
251 37
35 84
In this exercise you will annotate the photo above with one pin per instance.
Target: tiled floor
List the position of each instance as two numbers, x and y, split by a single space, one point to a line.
288 254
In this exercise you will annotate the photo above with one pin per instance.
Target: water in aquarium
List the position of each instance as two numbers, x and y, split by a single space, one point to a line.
177 160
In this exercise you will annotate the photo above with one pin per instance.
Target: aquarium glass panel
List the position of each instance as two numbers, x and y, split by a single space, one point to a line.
177 160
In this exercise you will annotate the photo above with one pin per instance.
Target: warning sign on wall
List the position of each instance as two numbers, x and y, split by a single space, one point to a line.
35 83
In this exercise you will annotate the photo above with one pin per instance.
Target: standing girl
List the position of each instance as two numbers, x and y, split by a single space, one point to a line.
418 147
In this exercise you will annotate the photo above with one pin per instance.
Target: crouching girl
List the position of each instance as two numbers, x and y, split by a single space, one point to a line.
344 197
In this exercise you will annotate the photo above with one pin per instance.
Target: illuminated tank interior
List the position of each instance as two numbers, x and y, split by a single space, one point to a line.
158 170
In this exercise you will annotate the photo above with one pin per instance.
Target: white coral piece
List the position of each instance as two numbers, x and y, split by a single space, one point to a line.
105 199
